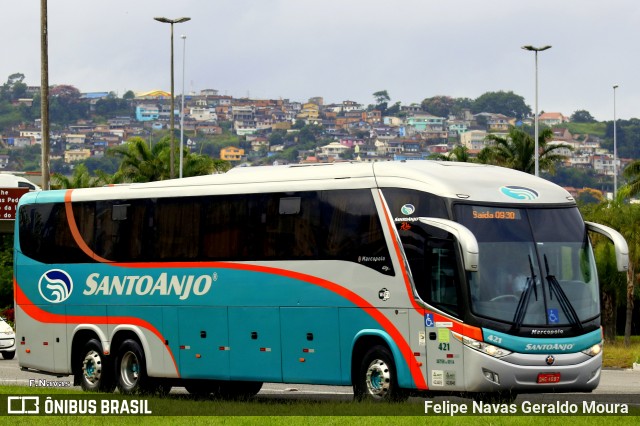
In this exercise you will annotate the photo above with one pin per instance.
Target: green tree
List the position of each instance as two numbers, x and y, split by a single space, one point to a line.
624 218
517 151
459 105
81 178
393 109
589 196
632 174
65 105
141 163
440 106
111 106
506 103
582 116
14 88
381 96
6 270
382 100
277 137
459 153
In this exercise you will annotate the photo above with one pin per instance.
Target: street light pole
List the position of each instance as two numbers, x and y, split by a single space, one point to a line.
172 119
615 147
184 54
44 94
537 149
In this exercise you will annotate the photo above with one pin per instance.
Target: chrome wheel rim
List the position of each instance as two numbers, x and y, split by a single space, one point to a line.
378 379
92 367
129 369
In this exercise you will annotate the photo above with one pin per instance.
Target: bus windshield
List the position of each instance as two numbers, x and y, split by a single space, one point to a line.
536 267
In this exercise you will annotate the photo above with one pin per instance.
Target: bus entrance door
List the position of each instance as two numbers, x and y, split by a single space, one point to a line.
444 356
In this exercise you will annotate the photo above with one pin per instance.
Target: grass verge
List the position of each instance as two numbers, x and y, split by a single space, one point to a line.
616 355
182 409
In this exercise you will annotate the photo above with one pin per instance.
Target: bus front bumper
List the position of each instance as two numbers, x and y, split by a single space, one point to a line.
531 373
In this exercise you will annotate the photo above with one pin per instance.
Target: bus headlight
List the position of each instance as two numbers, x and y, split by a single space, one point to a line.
486 348
593 350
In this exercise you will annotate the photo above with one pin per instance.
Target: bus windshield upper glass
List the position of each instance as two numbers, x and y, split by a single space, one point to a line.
536 267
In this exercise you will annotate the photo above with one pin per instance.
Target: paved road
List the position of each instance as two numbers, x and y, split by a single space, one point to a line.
611 382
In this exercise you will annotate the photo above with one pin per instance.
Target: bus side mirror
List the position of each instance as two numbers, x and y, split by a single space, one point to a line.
466 239
619 243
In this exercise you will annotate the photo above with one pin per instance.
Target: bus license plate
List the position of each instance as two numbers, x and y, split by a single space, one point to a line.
549 378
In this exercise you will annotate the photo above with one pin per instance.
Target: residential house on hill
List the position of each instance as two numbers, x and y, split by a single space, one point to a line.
552 118
231 153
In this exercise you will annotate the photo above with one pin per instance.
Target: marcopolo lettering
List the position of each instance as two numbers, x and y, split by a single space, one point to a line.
146 285
549 347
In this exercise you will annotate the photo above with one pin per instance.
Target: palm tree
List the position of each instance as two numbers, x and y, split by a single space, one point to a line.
81 178
517 151
459 153
141 163
625 218
632 173
202 164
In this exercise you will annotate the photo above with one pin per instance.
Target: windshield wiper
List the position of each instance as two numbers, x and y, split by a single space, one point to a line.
563 300
521 309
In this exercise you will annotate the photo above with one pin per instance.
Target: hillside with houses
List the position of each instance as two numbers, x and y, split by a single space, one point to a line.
279 131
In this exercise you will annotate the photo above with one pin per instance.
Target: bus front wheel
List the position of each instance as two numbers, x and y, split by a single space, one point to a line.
376 379
94 372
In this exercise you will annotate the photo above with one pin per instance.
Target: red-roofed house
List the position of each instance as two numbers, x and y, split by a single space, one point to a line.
552 118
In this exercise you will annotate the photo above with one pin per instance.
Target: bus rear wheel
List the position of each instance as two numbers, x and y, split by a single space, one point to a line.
376 379
131 369
94 372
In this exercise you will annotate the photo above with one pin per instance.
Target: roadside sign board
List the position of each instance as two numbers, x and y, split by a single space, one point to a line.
9 200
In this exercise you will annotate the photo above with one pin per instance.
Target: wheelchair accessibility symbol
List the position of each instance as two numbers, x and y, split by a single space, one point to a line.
552 316
428 320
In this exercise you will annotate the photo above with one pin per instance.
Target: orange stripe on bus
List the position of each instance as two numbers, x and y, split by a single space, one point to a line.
75 232
43 316
457 326
374 312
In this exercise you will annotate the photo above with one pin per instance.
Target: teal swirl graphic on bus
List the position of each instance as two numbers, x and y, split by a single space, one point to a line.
519 192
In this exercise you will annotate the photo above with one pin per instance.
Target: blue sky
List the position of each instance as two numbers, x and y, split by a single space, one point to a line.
339 49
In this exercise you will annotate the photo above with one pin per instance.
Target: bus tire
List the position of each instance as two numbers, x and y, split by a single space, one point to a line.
376 380
131 369
94 372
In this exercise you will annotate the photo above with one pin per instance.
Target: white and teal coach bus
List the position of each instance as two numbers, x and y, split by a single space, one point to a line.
391 277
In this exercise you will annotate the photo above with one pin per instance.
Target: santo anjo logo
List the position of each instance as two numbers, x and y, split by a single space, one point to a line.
407 209
519 192
55 286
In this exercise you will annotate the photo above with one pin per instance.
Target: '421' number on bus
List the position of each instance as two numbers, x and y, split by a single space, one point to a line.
494 339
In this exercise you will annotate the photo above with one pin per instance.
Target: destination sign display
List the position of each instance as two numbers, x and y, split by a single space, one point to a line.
9 200
494 213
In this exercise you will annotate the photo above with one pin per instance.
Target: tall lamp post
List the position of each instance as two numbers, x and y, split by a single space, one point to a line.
615 147
537 149
172 120
184 54
44 93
